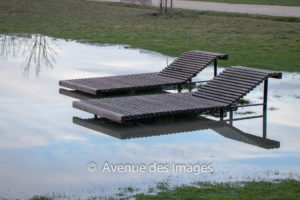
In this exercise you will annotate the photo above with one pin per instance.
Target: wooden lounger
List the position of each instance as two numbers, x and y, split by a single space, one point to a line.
218 94
187 66
125 131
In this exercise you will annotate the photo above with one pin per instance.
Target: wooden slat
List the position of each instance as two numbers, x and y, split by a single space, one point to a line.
228 85
221 92
218 55
191 54
173 75
244 75
227 80
222 88
176 71
245 71
181 70
271 74
225 83
193 63
242 79
214 95
120 83
212 98
187 66
193 60
147 106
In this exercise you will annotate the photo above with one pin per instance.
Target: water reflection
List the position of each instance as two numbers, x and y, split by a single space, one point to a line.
147 128
42 151
36 51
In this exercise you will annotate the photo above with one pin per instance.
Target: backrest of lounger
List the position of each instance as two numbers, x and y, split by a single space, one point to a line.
233 83
189 64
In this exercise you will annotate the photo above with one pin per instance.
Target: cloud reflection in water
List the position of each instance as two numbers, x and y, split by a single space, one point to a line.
37 133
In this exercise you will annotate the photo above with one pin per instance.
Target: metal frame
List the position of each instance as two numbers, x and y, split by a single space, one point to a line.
215 67
264 115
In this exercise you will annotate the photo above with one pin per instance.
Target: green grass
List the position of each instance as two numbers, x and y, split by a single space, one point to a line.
243 101
250 40
41 198
287 189
250 190
259 2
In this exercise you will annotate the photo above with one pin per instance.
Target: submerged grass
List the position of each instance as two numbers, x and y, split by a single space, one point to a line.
243 101
250 40
249 190
260 2
41 198
286 189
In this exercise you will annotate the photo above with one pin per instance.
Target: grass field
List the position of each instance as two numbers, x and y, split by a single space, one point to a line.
250 40
287 189
260 2
250 190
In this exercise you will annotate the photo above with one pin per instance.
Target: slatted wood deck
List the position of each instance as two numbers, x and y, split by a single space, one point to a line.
190 64
187 66
234 83
136 107
219 93
125 131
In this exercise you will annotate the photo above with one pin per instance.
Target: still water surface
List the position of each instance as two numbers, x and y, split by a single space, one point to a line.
44 150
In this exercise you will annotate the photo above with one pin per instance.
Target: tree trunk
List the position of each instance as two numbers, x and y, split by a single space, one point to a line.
160 7
171 7
166 6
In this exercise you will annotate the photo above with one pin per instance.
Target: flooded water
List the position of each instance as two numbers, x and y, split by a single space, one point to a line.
47 147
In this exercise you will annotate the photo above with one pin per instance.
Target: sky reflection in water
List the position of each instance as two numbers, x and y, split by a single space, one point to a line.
43 151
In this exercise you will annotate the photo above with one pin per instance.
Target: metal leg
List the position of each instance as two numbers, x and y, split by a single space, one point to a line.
215 67
191 84
265 125
179 88
221 114
231 117
265 106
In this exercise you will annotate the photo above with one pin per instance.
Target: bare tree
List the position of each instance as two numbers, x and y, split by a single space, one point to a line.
35 49
38 53
8 45
163 7
160 7
166 6
171 7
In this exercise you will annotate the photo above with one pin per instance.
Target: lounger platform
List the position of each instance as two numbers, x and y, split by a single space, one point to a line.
187 66
219 93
